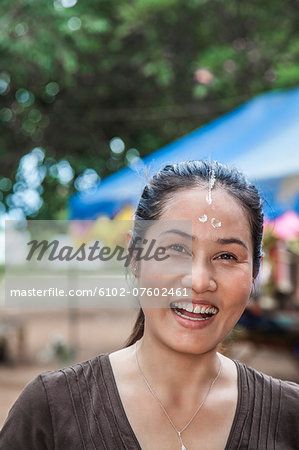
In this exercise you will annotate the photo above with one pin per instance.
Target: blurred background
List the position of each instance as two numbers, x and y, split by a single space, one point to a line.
97 95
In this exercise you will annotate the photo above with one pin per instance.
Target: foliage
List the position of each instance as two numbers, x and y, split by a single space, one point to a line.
74 77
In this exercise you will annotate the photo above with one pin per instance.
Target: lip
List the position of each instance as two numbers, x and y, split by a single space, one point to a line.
203 302
195 302
191 324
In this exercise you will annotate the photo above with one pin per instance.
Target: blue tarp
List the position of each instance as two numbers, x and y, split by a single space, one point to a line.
261 137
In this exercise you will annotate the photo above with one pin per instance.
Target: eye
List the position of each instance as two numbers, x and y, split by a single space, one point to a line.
178 248
227 256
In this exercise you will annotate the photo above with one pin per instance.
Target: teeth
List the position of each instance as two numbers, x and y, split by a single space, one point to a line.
190 318
197 309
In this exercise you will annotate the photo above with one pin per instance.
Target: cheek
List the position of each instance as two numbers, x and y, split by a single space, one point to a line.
149 291
157 284
238 292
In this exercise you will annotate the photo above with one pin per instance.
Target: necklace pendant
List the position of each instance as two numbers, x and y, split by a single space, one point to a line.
183 447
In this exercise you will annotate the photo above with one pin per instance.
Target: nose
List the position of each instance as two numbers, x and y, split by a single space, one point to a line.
201 279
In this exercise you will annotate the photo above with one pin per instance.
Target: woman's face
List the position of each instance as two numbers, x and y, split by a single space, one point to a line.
209 264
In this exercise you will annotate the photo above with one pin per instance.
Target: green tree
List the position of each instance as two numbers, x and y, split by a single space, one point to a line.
75 74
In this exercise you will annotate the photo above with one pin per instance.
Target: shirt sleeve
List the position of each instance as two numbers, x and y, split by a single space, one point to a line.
29 423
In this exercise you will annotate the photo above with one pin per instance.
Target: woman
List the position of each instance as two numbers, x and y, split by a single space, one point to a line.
169 388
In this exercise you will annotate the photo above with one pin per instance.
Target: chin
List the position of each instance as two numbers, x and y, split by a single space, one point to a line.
191 345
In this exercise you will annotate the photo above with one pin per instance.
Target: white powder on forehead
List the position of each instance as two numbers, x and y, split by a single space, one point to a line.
210 187
203 219
215 223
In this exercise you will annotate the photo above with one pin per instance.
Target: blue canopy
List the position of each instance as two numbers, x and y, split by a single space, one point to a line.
261 138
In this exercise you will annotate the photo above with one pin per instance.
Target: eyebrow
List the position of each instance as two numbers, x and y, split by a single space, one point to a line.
180 232
223 241
232 241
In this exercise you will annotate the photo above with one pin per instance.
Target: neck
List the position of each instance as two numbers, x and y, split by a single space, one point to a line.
176 375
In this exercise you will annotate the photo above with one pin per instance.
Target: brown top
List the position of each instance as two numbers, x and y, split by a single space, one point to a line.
79 407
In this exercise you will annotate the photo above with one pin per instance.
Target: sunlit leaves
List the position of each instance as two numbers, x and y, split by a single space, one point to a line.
4 83
74 23
52 88
5 184
88 179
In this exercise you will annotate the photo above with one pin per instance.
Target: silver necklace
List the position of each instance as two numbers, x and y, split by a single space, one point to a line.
157 398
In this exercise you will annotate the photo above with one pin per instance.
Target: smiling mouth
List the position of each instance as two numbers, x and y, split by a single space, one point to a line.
193 312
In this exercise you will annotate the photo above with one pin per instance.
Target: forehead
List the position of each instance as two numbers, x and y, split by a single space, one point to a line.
192 204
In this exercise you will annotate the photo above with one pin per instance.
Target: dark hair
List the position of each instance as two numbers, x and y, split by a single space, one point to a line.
189 174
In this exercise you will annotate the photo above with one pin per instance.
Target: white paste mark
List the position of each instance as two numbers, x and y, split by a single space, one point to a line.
215 225
203 219
211 185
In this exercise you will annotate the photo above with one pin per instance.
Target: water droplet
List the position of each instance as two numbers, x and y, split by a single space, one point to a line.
215 224
203 219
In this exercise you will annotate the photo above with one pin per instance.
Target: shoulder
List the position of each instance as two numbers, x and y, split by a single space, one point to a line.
279 395
270 407
64 384
52 400
33 394
290 404
29 420
56 383
261 377
257 377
